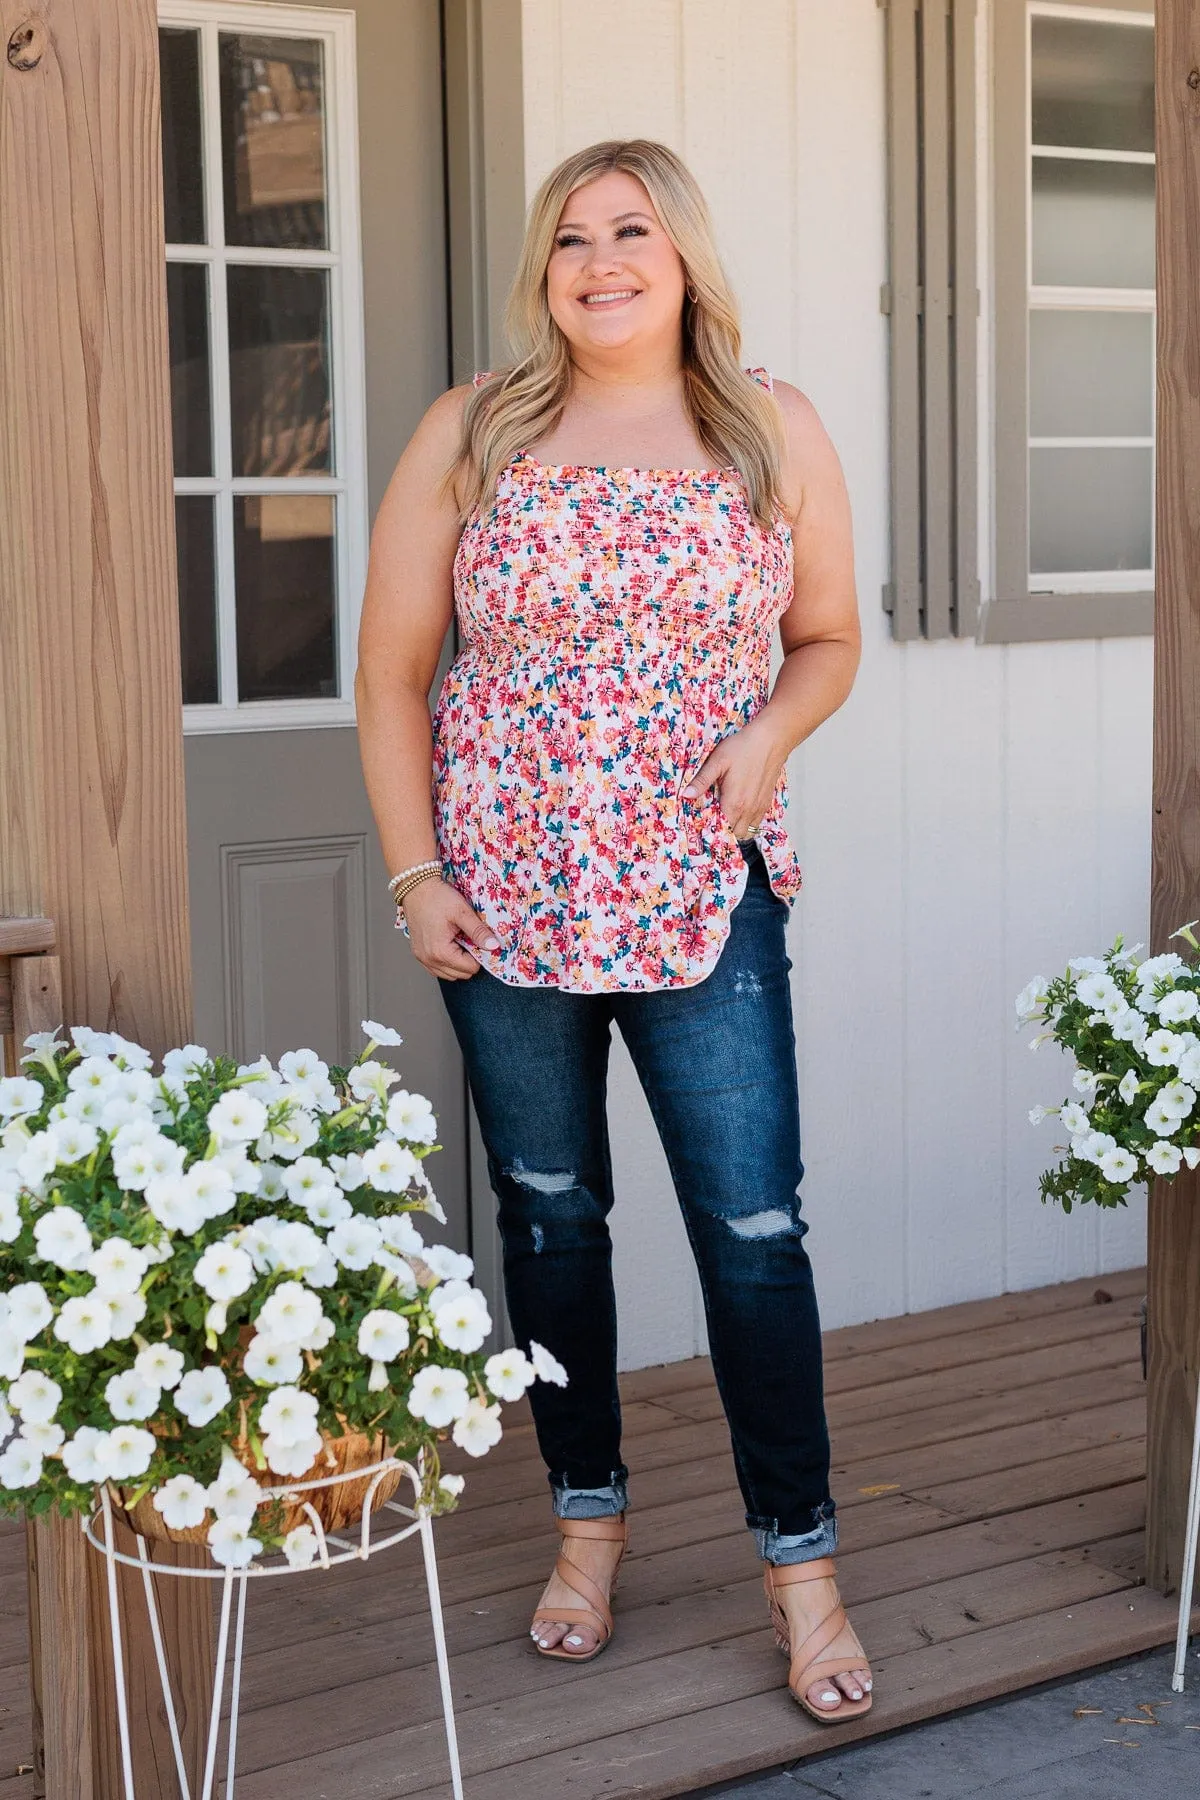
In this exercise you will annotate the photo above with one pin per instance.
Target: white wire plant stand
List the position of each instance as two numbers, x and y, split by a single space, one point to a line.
356 1543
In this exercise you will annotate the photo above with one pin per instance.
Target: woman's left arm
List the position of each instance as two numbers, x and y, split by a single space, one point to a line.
819 631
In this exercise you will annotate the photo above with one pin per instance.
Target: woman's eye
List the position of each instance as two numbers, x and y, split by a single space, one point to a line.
567 240
633 231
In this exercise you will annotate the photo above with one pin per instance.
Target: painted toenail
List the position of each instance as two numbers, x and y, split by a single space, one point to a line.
868 1685
828 1699
574 1638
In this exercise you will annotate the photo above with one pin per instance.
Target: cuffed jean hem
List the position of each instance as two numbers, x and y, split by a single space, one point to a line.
589 1503
775 1546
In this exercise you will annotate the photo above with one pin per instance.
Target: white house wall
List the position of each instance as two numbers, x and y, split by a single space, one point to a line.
973 816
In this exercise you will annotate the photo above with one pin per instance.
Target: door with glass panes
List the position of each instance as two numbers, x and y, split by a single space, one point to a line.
304 209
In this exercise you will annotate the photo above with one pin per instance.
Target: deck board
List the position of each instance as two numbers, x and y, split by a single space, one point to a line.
989 1463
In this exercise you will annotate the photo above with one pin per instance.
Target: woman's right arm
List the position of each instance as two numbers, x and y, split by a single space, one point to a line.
407 608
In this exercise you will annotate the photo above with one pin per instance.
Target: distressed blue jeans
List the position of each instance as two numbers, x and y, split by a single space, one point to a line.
717 1062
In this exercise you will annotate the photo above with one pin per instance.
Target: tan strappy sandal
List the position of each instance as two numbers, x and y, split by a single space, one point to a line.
596 1610
807 1663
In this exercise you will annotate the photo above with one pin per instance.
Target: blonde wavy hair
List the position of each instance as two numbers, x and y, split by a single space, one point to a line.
735 418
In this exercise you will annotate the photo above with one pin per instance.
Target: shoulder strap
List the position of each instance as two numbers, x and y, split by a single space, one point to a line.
482 375
763 378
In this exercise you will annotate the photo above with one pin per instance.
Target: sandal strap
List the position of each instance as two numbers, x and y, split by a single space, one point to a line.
777 1575
593 1596
613 1527
574 1615
828 1666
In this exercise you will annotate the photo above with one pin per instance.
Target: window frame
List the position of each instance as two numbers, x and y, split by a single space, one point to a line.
1017 612
347 483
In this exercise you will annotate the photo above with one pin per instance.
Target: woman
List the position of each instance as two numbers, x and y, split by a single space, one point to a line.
621 521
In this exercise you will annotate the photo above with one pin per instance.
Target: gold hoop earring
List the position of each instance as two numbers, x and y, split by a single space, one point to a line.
692 295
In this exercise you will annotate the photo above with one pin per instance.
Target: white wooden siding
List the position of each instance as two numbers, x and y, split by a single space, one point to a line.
973 815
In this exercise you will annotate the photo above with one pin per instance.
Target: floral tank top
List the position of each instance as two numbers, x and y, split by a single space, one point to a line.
616 624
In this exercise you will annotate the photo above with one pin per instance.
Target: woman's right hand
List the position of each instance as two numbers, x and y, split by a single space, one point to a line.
437 915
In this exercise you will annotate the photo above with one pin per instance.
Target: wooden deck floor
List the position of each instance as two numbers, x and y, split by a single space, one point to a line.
988 1467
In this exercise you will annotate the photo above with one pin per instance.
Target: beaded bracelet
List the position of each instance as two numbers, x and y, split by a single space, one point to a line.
414 881
433 866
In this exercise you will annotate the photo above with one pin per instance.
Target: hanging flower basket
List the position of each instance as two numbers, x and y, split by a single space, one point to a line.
214 1280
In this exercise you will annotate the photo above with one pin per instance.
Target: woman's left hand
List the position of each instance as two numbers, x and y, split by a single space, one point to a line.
745 769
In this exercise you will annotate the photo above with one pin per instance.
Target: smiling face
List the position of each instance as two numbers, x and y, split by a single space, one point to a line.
615 281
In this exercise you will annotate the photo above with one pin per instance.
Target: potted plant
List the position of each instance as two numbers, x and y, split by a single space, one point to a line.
214 1279
1134 1031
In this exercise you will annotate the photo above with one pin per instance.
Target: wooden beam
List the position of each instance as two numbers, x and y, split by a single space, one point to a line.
1174 1259
91 751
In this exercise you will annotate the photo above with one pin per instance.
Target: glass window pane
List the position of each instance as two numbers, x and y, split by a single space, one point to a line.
1091 374
1093 224
187 335
182 153
196 564
284 572
273 141
279 370
1089 510
1093 84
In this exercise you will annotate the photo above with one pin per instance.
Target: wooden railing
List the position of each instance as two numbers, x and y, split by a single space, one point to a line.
30 983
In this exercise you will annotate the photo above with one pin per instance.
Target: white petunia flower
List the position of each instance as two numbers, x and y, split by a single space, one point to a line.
1161 1119
355 1242
328 1208
224 1272
1189 1066
137 1161
174 1204
306 1176
182 1501
1129 1027
20 1465
35 1396
211 1187
231 1543
264 1078
234 1493
1129 1086
1177 1098
135 1057
1177 1007
400 1234
61 1237
12 1354
410 1117
448 1264
430 1202
380 1034
463 1322
125 1314
300 1547
370 1081
292 1459
84 1323
547 1367
241 1170
237 1117
290 1137
189 1060
95 1072
296 1247
438 1395
288 1415
291 1314
1164 1158
477 1429
508 1374
128 1451
1085 1082
349 1171
1093 1145
45 1435
383 1335
129 1397
10 1217
1097 990
1073 1117
159 1365
1191 1155
1031 1000
29 1310
117 1267
453 1485
85 1455
1118 1166
271 1363
202 1394
271 1185
36 1160
1162 1047
389 1167
20 1094
1037 1114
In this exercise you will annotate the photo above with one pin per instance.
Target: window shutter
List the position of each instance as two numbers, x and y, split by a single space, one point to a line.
932 300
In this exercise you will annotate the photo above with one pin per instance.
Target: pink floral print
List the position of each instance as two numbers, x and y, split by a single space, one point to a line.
616 624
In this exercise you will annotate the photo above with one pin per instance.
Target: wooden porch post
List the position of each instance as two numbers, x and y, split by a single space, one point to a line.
1174 1310
91 776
